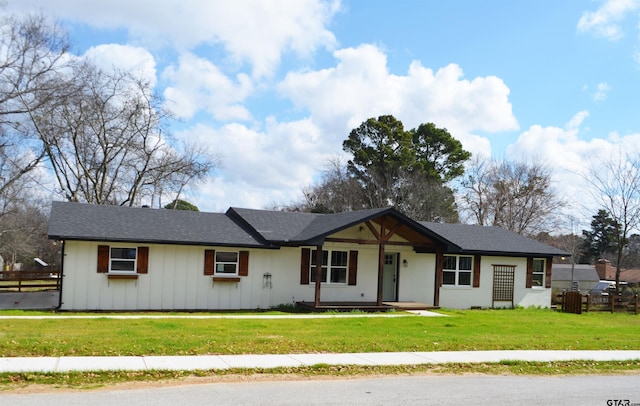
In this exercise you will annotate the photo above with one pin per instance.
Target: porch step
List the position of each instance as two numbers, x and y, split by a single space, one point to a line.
410 305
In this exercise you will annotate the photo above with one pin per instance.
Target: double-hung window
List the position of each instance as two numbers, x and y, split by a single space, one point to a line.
456 270
334 267
122 259
226 263
537 274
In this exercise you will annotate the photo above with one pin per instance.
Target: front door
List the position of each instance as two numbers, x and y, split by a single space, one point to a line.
390 278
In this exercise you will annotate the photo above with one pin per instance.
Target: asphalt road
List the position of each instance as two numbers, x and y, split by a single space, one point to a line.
405 391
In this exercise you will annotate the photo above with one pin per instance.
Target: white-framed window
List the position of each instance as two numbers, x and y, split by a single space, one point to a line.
122 259
537 274
334 267
226 263
456 270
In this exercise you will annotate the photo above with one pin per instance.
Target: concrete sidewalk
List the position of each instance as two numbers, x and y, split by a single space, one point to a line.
206 362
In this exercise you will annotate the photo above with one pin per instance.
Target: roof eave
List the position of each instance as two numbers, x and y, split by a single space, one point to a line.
507 253
163 242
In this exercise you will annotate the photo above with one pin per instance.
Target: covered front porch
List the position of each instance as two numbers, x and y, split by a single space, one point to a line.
390 247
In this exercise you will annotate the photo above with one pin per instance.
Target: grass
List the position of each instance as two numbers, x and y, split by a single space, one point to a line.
530 329
464 330
93 380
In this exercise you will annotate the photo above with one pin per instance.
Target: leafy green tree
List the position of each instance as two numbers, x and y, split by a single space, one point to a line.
406 169
437 154
179 204
380 149
600 241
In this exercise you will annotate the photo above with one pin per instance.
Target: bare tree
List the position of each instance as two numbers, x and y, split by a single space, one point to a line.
615 185
478 189
335 192
106 142
513 195
32 56
425 198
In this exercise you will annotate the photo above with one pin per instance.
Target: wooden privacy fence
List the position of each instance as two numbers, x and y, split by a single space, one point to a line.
29 279
574 302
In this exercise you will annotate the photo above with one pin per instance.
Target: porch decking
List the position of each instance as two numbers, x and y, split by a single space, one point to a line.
364 306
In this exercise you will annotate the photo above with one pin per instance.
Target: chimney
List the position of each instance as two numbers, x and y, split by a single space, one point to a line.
605 270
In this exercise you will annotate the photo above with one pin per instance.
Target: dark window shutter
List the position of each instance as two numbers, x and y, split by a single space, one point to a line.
142 265
243 264
476 271
305 263
353 267
209 261
529 272
547 274
103 258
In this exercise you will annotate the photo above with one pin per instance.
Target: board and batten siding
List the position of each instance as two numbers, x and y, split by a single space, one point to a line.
459 297
175 281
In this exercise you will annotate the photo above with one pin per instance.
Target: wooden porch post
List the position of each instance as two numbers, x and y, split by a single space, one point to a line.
381 239
318 272
438 277
380 272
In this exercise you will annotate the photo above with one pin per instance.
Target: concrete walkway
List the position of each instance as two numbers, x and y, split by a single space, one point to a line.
206 362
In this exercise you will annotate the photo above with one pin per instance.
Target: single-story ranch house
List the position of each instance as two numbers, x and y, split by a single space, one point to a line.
126 258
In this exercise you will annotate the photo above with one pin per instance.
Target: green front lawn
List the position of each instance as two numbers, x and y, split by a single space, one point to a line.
528 329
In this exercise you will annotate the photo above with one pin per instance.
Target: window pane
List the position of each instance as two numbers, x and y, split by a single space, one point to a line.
123 253
323 277
449 263
448 278
222 256
465 263
226 268
338 275
122 265
537 279
339 258
538 265
464 278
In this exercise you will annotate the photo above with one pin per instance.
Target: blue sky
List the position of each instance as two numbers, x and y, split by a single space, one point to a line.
274 87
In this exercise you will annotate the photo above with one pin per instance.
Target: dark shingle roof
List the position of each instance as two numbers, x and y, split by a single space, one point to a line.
78 221
273 225
581 272
493 240
267 229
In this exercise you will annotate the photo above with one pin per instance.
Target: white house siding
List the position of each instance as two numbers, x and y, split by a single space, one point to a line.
417 279
176 281
467 297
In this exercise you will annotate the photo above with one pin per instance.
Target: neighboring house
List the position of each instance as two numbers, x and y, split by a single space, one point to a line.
584 275
608 272
124 258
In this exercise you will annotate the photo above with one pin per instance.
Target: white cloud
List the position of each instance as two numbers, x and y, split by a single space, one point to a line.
197 84
251 31
569 156
260 167
577 120
604 21
136 60
601 92
360 86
